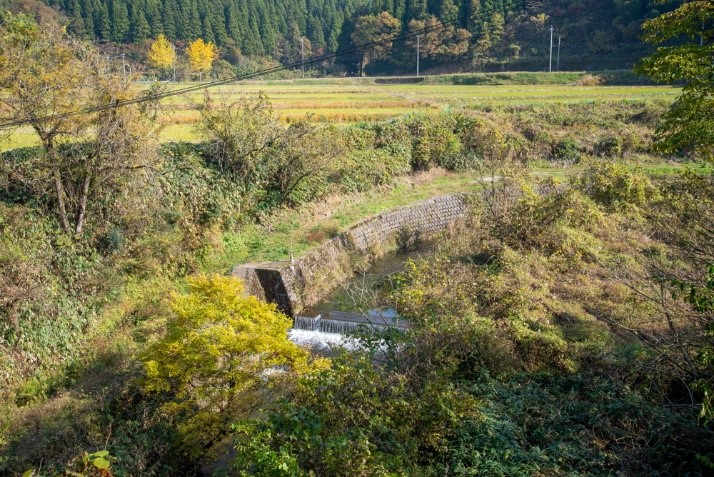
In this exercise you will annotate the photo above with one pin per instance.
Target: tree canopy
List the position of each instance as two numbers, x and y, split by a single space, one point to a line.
511 31
219 349
48 79
162 53
686 47
201 55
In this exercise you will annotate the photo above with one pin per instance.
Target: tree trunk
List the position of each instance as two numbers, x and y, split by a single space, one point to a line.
59 188
82 212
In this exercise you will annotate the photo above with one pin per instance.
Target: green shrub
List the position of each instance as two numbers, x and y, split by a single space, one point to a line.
571 424
394 137
539 347
622 143
566 150
614 186
481 140
610 146
433 140
353 419
363 169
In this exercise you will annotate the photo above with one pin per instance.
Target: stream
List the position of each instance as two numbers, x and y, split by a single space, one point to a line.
359 302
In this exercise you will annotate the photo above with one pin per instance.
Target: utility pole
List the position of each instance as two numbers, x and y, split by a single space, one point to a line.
173 63
550 65
557 67
302 54
418 55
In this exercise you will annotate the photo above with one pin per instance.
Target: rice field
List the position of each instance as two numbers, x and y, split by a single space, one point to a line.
347 101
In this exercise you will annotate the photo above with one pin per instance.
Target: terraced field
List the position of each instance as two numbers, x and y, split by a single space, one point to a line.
349 101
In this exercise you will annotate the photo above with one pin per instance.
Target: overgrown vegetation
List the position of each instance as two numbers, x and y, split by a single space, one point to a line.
547 331
565 329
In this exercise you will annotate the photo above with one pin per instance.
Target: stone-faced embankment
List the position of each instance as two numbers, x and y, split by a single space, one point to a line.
302 282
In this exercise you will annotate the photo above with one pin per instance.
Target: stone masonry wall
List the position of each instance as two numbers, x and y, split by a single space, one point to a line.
305 281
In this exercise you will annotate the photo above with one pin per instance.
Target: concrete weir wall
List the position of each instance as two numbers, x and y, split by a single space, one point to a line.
306 280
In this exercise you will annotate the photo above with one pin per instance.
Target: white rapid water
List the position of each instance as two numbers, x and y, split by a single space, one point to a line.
321 341
326 334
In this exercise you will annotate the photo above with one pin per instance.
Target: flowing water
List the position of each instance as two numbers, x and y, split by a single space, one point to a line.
359 304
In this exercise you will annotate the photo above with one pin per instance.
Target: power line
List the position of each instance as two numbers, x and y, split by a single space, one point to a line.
247 76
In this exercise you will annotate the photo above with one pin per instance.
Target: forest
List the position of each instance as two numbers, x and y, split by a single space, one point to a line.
500 34
564 326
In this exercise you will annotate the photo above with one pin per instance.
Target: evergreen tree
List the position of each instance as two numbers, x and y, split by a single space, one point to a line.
332 40
473 22
76 23
317 35
448 12
232 22
193 21
119 21
88 18
141 31
168 14
219 28
103 25
416 9
153 15
207 29
497 28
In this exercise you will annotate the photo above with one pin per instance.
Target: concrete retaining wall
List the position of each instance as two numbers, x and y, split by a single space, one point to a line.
306 280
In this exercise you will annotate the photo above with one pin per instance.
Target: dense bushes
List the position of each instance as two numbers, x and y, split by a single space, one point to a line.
353 419
519 306
580 424
614 186
274 164
50 289
543 322
565 132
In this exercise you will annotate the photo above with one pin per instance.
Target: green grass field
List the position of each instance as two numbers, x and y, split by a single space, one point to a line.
349 101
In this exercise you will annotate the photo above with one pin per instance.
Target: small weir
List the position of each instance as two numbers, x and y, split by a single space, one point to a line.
328 324
347 322
323 333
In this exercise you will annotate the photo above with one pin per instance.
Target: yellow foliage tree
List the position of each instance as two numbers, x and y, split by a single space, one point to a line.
49 79
201 55
161 53
221 350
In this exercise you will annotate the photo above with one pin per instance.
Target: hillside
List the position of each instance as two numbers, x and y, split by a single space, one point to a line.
478 34
562 326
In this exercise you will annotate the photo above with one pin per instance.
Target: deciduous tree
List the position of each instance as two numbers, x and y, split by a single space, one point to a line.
689 124
220 349
373 36
162 54
288 163
50 80
201 55
439 42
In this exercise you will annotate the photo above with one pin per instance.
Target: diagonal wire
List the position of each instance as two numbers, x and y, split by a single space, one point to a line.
247 76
